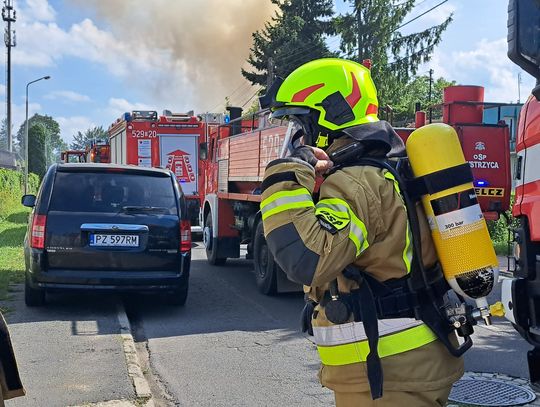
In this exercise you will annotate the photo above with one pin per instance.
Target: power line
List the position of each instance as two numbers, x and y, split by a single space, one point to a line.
420 15
305 51
242 85
252 96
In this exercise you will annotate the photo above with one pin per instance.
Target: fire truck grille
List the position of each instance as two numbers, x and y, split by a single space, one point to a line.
487 391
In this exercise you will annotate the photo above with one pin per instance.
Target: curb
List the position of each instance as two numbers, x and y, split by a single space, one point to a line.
140 384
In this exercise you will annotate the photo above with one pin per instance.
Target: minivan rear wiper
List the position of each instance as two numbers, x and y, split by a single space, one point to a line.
134 208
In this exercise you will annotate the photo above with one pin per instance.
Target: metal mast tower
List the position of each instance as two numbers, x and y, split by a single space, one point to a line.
9 15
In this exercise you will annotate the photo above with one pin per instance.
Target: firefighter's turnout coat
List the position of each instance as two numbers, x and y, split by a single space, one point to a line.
10 382
359 219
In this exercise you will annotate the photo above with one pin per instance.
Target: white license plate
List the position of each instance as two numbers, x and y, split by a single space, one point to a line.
114 240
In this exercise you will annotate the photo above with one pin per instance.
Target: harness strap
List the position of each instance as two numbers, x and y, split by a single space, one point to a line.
368 312
439 181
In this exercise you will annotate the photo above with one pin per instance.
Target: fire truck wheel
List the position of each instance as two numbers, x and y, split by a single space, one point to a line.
210 244
266 268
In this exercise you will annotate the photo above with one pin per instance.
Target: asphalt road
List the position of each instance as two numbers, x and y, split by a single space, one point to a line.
231 345
498 348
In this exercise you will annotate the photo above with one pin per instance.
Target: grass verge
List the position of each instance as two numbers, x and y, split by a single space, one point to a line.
12 230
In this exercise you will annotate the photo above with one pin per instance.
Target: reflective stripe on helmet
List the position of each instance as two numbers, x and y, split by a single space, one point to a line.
344 352
285 200
358 231
408 250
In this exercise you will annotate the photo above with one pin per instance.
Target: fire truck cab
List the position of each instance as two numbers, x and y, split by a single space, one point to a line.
73 156
170 140
521 295
95 153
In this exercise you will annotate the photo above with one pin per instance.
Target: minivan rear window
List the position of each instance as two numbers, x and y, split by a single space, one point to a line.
112 192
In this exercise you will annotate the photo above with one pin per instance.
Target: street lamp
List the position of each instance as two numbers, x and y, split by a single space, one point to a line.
26 135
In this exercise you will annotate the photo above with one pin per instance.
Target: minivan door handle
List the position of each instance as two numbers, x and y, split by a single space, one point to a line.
114 227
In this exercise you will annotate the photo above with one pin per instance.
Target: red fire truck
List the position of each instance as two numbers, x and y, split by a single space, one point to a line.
95 153
171 141
521 295
240 150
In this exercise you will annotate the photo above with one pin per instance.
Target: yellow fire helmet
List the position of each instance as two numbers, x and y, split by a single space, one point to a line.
340 92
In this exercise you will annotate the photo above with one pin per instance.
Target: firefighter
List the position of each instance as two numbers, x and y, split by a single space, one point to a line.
356 233
10 382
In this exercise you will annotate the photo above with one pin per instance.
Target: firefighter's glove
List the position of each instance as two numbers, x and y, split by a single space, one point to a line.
314 156
307 315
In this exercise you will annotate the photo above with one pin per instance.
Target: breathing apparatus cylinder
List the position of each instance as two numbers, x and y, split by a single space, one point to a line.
457 225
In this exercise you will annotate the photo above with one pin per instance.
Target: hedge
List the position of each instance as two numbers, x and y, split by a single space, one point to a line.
12 189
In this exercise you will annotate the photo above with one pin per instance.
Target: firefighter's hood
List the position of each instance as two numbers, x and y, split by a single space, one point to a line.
381 132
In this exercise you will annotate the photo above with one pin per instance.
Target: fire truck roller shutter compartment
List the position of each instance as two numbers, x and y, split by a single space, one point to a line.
179 154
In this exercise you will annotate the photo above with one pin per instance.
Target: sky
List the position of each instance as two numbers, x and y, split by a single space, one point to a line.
106 57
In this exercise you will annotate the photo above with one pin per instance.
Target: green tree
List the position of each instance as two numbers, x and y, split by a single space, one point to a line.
3 135
55 144
372 31
37 157
83 140
417 91
294 35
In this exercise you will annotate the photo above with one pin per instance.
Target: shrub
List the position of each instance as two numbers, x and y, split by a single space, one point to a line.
12 189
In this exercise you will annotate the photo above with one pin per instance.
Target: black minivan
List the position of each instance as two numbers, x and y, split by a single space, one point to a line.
105 226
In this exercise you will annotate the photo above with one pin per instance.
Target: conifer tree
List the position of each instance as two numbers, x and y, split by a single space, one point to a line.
83 140
372 31
294 35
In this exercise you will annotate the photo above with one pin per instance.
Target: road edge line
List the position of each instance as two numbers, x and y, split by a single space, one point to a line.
140 384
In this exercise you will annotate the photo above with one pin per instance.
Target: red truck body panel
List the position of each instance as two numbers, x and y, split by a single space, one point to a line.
167 142
527 199
170 141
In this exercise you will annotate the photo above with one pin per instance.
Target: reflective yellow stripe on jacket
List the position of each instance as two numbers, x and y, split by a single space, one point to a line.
338 212
285 200
344 352
408 251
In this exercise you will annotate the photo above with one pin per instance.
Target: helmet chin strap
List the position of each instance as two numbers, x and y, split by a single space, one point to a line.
314 134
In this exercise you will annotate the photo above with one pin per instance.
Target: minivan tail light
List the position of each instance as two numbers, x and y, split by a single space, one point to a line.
37 240
185 236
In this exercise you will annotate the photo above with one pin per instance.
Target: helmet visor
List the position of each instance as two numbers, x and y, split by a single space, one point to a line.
294 137
289 111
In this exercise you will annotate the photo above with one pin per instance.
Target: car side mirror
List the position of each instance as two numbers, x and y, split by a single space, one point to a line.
523 32
203 151
29 200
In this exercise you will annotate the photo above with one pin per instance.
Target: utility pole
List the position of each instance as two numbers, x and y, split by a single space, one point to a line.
270 77
9 15
429 98
357 6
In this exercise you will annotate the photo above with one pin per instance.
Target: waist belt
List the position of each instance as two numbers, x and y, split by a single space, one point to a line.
374 300
392 298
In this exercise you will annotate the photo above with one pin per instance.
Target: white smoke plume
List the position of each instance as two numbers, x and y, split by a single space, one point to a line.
199 46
